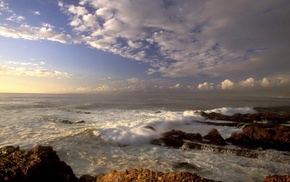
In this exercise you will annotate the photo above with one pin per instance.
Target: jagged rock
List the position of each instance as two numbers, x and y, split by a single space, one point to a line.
255 136
39 164
277 178
147 175
215 137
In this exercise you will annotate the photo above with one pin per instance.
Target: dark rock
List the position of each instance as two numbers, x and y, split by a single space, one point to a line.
147 175
193 137
277 178
214 137
172 142
81 121
176 134
249 118
65 121
87 178
255 136
186 165
39 164
158 112
220 149
150 128
83 112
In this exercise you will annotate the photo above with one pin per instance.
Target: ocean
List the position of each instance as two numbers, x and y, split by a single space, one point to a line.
96 133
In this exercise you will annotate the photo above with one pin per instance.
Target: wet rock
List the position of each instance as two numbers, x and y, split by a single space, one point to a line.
39 164
249 118
186 165
214 137
150 128
65 121
193 137
255 136
158 112
221 149
277 178
176 134
78 122
83 112
147 175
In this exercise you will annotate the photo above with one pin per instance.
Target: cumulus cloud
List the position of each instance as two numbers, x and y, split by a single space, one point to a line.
227 84
249 82
30 69
205 86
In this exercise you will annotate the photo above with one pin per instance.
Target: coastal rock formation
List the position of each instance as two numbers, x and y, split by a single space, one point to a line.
255 136
277 178
43 164
147 175
215 137
177 138
39 164
249 118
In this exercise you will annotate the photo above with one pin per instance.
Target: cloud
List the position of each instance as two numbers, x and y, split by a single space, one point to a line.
226 85
206 86
37 13
34 33
22 30
189 38
13 68
249 82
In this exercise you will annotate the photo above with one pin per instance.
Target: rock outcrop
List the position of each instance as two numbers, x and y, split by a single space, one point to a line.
277 178
147 175
43 164
249 118
256 136
39 164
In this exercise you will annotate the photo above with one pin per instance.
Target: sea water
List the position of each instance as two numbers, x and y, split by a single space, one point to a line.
96 133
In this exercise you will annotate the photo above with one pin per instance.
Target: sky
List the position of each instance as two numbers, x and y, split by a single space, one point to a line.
130 45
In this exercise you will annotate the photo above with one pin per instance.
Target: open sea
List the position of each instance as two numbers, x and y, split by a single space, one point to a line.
96 133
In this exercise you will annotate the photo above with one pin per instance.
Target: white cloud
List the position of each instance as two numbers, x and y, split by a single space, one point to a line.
14 68
16 18
249 82
37 13
205 86
189 37
34 33
227 84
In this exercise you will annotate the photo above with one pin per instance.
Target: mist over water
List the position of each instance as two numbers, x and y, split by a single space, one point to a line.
109 131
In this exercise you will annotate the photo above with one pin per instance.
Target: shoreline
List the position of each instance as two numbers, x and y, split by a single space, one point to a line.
259 132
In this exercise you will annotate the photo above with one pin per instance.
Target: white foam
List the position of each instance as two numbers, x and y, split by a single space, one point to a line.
230 111
127 136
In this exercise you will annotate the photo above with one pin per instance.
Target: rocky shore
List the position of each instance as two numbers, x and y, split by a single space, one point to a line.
259 132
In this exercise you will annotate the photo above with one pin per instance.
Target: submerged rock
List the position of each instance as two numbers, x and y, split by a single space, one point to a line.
39 164
147 175
186 165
